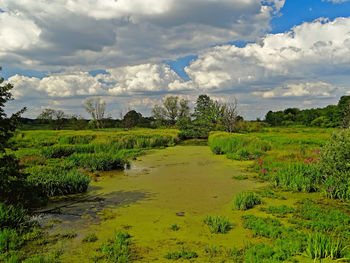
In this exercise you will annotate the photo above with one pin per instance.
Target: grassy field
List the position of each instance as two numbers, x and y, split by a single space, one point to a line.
291 159
303 215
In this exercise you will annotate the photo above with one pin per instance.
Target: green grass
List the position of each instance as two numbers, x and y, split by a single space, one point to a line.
299 177
58 151
316 218
56 180
321 246
98 161
67 235
218 224
12 216
237 146
240 177
89 238
279 211
246 200
9 240
117 249
182 254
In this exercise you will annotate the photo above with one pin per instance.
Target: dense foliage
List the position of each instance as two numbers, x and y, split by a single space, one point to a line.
330 116
335 165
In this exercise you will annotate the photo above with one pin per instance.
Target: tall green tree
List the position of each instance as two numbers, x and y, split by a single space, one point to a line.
344 110
131 119
172 110
13 184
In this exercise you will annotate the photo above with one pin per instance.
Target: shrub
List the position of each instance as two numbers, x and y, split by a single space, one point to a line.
335 165
11 216
246 200
218 224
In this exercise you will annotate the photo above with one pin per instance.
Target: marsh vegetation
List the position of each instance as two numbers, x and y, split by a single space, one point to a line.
267 194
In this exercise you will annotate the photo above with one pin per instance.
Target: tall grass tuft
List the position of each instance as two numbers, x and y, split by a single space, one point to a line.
12 216
77 139
9 240
98 161
299 177
246 200
321 246
218 224
184 254
55 180
58 151
237 146
117 249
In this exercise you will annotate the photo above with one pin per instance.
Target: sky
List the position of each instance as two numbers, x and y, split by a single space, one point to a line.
269 54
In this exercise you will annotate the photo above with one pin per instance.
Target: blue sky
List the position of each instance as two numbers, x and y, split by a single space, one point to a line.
268 54
294 12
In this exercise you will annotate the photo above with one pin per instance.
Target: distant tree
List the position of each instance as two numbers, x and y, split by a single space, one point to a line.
131 119
203 106
77 122
53 117
171 105
96 108
230 115
171 110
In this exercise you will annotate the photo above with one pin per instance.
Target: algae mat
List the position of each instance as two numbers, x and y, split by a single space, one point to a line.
178 185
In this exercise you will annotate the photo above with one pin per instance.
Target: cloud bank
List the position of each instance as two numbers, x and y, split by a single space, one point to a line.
305 66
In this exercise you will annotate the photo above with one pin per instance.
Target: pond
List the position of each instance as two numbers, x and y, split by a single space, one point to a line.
178 185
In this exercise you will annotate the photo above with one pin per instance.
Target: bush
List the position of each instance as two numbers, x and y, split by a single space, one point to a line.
335 165
11 216
249 126
218 224
246 200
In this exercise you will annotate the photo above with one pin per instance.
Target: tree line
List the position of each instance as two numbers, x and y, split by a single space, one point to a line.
330 116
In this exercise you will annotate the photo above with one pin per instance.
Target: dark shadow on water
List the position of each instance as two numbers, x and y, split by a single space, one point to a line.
91 205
